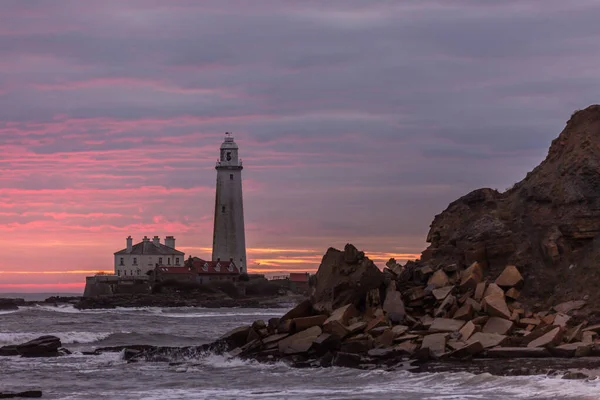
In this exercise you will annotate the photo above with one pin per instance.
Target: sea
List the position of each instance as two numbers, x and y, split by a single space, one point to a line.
211 376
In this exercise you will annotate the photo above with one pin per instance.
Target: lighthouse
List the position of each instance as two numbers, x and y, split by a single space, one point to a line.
229 239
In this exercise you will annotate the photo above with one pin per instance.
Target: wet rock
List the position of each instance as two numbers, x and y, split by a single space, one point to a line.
575 375
497 325
349 360
357 346
344 278
44 346
327 343
517 352
29 394
578 349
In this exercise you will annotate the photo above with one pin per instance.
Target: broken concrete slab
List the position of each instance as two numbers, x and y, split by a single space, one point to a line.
510 278
551 338
303 323
299 342
474 303
561 320
399 330
468 350
498 325
357 327
334 327
445 306
446 325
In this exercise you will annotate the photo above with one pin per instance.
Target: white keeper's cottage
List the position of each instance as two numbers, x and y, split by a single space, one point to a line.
138 259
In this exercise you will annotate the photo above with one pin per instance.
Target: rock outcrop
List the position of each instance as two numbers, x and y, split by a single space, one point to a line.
44 346
346 277
547 225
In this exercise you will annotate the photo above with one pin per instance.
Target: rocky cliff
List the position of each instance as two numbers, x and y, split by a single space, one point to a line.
548 224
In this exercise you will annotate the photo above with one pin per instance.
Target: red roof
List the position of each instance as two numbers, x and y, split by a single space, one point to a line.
215 267
299 276
173 270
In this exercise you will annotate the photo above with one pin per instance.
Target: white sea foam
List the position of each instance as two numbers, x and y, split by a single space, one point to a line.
8 312
7 338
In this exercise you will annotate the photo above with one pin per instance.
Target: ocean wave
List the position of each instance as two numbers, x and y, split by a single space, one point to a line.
7 338
8 312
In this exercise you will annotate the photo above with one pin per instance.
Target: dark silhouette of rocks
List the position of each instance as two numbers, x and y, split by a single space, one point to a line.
44 346
547 225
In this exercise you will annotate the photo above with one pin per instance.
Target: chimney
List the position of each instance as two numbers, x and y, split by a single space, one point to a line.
129 244
170 242
145 239
156 240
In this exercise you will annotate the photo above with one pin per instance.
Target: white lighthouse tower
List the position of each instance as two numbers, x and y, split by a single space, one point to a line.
229 239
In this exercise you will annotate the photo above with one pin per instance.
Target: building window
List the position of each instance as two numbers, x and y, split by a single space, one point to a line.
159 260
230 177
138 271
119 272
121 262
169 260
176 260
222 208
134 260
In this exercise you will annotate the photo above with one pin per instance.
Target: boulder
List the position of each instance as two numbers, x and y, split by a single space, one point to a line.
436 343
465 312
301 324
44 346
348 360
592 328
551 338
588 337
399 330
574 334
300 342
376 323
357 346
471 276
439 279
441 293
467 330
510 278
445 306
517 352
487 339
344 278
497 325
512 294
569 306
480 290
467 350
495 306
386 338
357 327
333 327
407 348
343 314
326 342
446 325
393 304
577 349
474 304
493 290
561 320
303 309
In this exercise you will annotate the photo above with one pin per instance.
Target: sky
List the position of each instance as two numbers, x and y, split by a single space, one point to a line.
357 121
